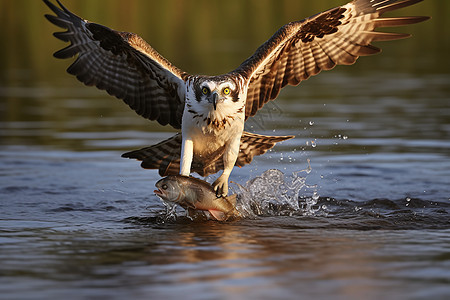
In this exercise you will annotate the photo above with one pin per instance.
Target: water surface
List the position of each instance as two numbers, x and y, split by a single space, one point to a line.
358 209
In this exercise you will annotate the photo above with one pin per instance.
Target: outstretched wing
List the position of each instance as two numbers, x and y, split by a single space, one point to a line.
302 49
123 64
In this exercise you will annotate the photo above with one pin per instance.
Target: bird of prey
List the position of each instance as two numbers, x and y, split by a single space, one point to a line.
211 110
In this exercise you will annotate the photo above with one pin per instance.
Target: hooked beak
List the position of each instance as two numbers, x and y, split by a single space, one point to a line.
215 98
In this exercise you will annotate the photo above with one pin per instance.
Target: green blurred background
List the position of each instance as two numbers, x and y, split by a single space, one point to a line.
199 36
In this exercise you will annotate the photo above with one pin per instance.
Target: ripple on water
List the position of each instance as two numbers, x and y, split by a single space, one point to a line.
274 193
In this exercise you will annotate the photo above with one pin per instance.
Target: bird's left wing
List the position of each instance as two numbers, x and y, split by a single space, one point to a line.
302 49
123 64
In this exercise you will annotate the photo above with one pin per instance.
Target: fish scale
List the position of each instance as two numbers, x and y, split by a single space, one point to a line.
193 193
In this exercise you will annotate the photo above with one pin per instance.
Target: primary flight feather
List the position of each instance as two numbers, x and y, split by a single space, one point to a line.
211 110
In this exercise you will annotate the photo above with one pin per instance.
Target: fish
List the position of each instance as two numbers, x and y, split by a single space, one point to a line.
193 193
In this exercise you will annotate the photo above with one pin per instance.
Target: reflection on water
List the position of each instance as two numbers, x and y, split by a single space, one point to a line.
268 257
86 223
371 219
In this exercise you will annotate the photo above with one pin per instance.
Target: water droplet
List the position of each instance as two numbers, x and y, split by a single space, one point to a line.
313 144
315 196
311 123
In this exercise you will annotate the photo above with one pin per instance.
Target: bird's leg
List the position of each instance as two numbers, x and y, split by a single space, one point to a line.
229 159
187 153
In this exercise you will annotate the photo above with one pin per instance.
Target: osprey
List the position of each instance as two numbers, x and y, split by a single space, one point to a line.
211 110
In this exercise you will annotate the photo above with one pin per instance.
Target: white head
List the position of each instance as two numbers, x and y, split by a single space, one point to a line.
217 91
215 97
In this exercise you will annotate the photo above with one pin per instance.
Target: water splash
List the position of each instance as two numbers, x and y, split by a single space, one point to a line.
274 193
171 210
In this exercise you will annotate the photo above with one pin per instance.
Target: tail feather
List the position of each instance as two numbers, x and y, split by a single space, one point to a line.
165 156
253 144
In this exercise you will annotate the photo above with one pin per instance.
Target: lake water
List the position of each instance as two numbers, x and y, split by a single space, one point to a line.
355 207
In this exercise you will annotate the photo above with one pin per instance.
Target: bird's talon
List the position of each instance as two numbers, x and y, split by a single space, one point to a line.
221 187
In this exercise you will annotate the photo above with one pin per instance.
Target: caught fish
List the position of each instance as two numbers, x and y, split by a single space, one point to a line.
194 193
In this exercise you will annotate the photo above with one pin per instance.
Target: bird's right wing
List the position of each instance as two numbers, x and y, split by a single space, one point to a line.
302 49
123 64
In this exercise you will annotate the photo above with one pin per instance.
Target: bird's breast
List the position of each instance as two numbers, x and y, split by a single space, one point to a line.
208 138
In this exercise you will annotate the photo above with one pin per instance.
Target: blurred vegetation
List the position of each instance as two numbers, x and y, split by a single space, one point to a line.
198 36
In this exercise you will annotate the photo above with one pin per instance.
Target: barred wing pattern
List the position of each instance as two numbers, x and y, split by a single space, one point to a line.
127 67
302 49
165 156
123 64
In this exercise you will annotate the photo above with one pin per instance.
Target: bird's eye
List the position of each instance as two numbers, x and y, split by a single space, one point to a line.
226 91
164 186
205 91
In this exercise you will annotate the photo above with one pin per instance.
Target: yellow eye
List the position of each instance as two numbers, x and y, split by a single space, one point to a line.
226 91
205 90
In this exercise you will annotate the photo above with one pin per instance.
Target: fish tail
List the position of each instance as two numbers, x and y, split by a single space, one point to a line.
232 199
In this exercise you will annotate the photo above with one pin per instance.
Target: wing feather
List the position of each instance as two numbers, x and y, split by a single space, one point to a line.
302 49
123 64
